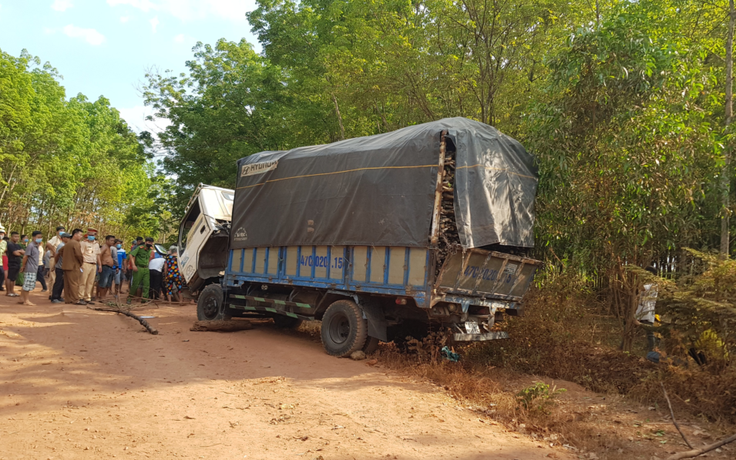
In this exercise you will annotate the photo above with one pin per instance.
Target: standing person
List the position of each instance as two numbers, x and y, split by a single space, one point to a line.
173 278
140 257
24 241
108 263
92 265
138 242
41 272
53 246
57 264
645 310
133 246
15 255
122 266
71 263
29 267
156 268
3 248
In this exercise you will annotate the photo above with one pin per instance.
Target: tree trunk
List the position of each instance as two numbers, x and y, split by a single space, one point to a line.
339 117
725 175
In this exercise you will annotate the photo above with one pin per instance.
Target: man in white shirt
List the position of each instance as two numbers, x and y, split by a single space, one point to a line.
53 245
156 267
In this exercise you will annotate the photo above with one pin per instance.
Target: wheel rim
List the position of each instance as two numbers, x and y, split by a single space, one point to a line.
210 307
339 329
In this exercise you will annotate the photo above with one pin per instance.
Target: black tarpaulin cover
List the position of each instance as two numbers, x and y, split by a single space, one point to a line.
379 190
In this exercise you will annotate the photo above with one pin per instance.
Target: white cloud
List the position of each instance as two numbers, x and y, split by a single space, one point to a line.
154 23
136 119
179 38
124 19
61 5
191 10
144 5
233 9
91 36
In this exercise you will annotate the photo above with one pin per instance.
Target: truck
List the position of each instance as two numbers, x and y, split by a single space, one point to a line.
379 237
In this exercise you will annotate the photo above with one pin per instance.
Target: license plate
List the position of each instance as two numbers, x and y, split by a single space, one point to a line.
471 327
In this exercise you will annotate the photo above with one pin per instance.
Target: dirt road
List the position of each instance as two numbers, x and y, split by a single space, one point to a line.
76 383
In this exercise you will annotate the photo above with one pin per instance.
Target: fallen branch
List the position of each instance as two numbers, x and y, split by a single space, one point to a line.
701 451
672 413
221 326
143 322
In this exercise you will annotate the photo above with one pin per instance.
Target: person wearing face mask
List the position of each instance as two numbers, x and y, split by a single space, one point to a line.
41 274
92 265
139 257
122 263
52 246
24 241
29 267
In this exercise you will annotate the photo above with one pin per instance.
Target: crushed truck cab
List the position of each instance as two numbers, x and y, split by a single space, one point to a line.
380 237
204 236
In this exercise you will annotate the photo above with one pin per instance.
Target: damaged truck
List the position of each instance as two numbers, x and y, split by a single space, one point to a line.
379 237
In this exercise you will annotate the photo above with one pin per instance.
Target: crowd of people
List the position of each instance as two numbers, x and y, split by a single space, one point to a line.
81 270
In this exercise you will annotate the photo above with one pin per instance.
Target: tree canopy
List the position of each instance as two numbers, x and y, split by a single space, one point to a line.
67 161
622 103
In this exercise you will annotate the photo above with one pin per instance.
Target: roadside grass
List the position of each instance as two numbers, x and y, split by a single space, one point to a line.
564 342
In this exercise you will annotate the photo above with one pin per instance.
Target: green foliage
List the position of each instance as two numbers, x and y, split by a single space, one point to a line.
700 310
538 397
64 161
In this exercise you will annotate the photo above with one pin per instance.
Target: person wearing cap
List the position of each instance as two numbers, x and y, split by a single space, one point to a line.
52 246
57 264
29 267
140 257
92 265
3 248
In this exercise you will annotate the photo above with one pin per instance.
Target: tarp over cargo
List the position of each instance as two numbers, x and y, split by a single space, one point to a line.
380 190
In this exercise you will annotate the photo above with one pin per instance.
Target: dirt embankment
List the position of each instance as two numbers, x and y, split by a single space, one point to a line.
76 383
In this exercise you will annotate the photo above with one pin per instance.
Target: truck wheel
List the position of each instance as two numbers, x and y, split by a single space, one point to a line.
210 305
286 322
343 329
371 345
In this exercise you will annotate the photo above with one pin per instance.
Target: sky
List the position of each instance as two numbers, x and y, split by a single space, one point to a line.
105 47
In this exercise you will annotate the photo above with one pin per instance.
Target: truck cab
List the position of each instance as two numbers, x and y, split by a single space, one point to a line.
203 236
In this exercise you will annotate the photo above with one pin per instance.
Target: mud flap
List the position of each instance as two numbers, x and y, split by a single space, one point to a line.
376 320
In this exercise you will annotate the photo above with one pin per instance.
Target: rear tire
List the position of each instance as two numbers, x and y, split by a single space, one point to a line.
371 345
344 330
286 322
210 304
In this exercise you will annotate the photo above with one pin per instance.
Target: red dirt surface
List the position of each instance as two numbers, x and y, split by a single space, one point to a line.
76 383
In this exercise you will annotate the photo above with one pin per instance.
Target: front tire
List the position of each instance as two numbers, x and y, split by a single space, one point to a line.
210 304
343 329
